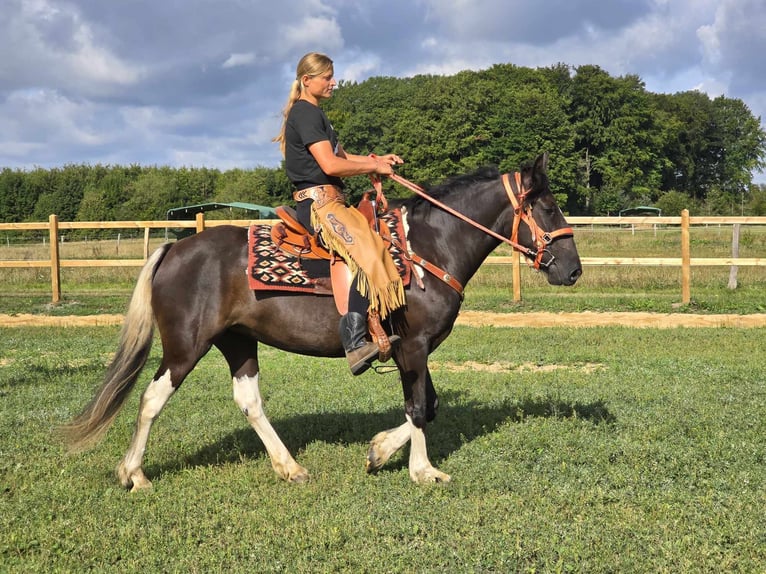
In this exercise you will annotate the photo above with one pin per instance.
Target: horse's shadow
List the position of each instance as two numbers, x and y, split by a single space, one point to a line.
460 423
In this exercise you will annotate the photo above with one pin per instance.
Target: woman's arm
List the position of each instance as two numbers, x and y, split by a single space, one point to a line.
346 165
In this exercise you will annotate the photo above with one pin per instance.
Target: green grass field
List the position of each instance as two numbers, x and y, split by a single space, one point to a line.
586 450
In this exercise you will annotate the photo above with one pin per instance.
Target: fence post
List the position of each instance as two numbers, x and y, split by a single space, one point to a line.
146 243
516 275
53 233
735 255
686 273
200 222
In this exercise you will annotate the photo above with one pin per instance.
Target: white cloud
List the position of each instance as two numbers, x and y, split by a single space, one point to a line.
235 60
312 33
48 45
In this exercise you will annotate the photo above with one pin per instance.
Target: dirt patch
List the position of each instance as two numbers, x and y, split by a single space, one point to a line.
592 319
503 366
27 320
471 319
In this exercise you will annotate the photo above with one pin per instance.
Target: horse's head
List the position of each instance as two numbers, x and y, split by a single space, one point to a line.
542 227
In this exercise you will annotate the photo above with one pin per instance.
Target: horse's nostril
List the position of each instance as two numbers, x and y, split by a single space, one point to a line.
575 274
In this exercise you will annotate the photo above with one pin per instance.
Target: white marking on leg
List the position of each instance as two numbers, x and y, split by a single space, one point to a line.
385 444
421 469
248 398
153 400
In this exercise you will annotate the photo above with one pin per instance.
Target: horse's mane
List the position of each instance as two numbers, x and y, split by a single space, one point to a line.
445 188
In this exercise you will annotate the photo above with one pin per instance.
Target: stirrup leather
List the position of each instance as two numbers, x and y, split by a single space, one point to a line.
379 336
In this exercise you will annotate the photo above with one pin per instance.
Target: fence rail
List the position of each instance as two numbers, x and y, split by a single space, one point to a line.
683 260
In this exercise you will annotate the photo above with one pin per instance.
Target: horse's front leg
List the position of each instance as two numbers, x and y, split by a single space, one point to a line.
388 442
421 469
420 408
421 405
385 444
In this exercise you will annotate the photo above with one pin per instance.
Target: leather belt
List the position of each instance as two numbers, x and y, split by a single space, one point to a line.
321 194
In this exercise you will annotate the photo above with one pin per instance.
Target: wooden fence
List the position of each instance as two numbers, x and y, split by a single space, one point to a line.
684 260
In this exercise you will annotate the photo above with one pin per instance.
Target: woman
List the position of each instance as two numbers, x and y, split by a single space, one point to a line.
316 163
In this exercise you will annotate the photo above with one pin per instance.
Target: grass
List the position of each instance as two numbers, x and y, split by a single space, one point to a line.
568 454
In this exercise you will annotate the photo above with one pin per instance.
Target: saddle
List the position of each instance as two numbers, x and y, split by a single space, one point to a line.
294 239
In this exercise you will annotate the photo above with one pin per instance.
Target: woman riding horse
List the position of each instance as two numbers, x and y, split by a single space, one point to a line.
315 162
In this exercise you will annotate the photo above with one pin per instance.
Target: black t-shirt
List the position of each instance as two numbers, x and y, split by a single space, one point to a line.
307 124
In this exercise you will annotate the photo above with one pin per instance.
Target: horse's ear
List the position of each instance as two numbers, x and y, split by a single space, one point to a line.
541 163
536 179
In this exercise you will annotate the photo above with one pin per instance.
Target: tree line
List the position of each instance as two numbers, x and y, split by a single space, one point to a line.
613 145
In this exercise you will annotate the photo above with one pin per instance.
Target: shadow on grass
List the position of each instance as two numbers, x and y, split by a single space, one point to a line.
32 374
454 426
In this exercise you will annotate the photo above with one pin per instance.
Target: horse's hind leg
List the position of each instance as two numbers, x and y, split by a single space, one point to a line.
179 358
156 395
241 354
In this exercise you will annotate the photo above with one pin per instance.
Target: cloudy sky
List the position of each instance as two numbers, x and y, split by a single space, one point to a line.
202 82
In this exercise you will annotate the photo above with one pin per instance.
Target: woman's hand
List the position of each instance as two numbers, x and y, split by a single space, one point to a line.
392 159
384 164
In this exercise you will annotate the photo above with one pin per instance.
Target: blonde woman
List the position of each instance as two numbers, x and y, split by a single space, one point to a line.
316 162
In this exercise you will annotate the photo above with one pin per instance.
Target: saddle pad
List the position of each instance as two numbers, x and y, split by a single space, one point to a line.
271 269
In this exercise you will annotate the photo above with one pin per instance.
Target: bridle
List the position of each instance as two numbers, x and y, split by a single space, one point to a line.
522 212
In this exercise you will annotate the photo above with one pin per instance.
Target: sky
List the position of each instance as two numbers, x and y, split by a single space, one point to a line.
201 83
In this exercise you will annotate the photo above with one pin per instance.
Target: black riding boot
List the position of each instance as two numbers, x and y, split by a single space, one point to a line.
359 352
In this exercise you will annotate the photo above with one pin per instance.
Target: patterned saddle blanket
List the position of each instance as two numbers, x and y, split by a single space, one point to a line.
269 268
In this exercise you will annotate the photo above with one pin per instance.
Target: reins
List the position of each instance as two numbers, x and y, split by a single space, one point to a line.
422 193
521 211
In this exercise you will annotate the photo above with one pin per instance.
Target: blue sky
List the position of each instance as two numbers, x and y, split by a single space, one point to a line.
202 82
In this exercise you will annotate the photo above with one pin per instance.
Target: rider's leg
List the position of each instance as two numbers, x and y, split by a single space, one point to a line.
353 330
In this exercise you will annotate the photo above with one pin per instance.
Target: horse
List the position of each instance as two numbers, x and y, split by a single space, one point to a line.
195 293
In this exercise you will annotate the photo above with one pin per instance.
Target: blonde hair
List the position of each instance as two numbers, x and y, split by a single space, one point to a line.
312 64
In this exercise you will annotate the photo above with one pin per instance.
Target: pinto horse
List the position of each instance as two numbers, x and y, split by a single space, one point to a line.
197 294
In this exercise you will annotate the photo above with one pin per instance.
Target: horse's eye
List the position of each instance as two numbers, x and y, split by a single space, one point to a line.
546 208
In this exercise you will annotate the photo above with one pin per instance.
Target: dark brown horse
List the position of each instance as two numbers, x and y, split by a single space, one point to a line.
197 293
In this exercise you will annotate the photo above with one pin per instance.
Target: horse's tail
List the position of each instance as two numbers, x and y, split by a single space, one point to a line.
87 428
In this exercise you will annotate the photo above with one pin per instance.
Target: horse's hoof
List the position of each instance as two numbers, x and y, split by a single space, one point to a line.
132 481
299 478
139 486
429 476
373 462
298 475
376 456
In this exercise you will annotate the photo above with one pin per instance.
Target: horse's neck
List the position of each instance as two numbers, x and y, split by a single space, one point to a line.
457 246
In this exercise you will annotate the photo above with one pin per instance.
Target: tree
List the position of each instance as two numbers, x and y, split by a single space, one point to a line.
739 144
15 203
757 204
673 203
688 120
616 129
151 195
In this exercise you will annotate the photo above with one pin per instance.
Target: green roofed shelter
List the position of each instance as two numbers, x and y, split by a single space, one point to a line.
640 210
190 211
